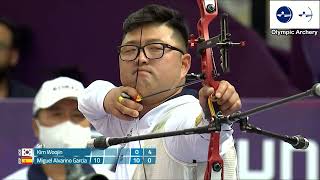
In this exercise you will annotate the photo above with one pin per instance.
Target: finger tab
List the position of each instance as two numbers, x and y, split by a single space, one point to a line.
120 99
125 95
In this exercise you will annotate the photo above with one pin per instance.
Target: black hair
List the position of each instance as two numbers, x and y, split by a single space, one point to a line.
157 14
14 32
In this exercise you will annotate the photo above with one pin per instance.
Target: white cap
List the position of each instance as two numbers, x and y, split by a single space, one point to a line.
55 90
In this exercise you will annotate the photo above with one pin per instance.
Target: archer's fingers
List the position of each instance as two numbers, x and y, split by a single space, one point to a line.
234 108
204 93
127 111
223 85
229 92
230 102
131 104
120 115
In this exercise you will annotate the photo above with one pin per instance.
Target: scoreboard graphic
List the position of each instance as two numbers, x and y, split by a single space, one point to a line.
28 156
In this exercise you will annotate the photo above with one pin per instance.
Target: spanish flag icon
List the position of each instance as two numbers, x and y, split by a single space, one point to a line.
26 160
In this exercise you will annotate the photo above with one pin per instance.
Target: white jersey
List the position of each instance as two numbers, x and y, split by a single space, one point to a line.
179 113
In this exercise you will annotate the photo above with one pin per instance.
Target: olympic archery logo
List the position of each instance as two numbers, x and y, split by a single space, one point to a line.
284 14
297 14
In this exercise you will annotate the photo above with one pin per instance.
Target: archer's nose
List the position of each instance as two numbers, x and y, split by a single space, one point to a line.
142 58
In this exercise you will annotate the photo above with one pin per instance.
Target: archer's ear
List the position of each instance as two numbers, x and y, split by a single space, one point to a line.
186 64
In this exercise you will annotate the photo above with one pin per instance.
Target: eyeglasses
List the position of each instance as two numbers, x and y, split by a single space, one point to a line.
151 51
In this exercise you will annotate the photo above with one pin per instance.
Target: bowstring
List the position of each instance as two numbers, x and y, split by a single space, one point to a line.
136 119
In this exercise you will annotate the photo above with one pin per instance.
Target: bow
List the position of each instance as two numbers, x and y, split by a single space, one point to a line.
208 12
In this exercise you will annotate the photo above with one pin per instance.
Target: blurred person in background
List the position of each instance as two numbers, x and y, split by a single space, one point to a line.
9 55
57 123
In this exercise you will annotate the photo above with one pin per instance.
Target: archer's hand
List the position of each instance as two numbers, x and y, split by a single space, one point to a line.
225 96
121 107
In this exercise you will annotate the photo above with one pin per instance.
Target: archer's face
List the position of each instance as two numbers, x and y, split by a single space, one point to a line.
150 76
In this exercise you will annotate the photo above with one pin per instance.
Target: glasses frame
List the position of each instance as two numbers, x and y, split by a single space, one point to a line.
164 45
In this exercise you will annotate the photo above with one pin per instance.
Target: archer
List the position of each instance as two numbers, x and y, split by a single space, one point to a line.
153 57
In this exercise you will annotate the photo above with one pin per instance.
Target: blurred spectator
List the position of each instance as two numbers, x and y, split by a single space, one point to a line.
57 123
9 55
